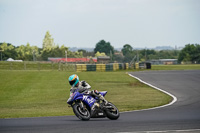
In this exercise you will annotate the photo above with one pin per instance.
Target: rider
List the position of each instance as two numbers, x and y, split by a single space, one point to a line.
83 87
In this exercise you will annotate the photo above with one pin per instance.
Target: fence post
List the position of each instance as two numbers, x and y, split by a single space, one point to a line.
24 65
62 66
10 65
75 67
59 66
66 67
39 66
52 65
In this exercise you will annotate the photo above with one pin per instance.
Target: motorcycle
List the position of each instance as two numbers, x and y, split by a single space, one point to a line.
86 106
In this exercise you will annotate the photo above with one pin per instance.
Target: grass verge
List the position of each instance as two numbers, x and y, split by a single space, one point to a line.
176 67
44 93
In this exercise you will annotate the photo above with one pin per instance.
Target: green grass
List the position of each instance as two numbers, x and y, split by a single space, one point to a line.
31 65
5 65
44 93
176 67
36 93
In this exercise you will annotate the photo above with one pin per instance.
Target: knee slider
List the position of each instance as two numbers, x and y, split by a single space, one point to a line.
96 92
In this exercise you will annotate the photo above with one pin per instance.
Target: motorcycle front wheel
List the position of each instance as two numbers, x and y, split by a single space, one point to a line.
112 112
81 113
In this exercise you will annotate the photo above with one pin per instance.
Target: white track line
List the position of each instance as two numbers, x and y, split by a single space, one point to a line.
173 101
166 131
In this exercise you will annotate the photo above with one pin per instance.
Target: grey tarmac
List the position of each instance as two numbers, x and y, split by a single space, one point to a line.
181 117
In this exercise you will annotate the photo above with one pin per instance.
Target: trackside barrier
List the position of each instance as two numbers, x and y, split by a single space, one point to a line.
109 67
127 66
61 66
136 65
91 67
101 67
115 66
81 67
144 65
37 65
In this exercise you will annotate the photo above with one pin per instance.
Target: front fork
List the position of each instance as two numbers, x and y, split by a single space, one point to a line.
81 105
79 102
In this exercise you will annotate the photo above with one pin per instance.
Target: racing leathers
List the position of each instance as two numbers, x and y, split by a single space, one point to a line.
84 87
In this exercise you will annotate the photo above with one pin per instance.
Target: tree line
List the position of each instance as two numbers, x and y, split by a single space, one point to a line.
190 53
147 54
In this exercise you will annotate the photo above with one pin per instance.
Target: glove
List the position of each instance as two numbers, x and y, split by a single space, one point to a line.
83 83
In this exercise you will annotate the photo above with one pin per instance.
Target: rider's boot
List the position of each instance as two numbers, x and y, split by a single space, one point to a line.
97 94
103 99
95 106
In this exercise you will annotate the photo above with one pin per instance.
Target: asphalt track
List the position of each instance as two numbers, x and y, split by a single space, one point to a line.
183 116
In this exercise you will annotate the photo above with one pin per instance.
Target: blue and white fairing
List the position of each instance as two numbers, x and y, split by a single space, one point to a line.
103 93
87 99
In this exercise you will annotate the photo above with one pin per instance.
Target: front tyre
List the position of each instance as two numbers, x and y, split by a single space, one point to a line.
112 112
82 114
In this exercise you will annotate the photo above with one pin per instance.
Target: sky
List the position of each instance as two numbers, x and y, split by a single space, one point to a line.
83 23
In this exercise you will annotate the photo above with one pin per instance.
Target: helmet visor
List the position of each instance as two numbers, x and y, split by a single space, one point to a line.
73 82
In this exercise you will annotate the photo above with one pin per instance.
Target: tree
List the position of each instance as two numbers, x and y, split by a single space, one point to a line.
103 46
118 57
191 52
27 52
128 53
60 52
54 52
7 51
86 53
48 41
127 49
147 54
100 54
128 57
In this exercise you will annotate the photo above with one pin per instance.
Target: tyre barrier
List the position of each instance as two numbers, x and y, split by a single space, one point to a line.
143 65
81 67
101 67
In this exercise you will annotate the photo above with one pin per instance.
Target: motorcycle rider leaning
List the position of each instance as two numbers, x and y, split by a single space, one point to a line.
83 87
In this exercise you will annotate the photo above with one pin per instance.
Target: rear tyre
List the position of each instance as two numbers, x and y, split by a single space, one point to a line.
112 112
82 114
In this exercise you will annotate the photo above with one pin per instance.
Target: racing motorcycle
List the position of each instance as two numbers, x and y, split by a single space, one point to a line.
86 106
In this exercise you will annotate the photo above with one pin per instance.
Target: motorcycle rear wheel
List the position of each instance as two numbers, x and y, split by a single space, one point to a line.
112 113
82 114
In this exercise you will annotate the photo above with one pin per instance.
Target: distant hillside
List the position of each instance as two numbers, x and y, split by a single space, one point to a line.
88 49
76 49
157 48
164 48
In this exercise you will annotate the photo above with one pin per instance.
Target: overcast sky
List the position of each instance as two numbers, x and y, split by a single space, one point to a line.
83 23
